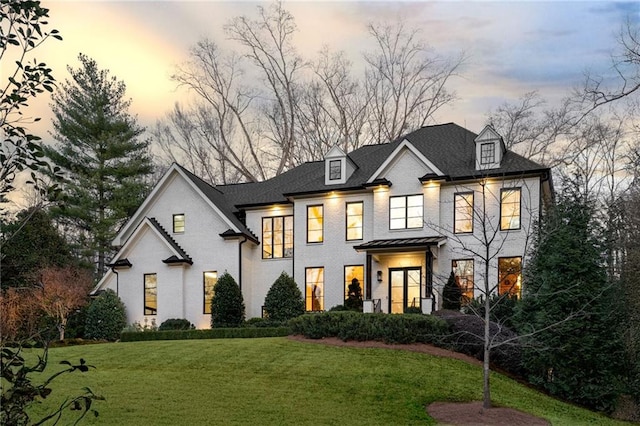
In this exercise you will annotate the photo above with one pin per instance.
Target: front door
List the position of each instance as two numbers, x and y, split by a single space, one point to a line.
404 289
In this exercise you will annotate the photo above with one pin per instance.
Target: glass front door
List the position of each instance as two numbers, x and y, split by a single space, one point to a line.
404 289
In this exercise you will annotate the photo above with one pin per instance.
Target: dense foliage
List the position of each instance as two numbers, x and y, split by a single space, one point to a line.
215 333
176 324
575 351
106 317
227 304
452 294
501 308
284 299
104 160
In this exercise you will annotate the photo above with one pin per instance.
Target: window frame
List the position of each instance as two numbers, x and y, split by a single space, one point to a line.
321 224
207 306
455 211
346 214
308 301
332 169
466 297
406 211
144 294
346 282
519 191
273 235
175 217
486 159
518 294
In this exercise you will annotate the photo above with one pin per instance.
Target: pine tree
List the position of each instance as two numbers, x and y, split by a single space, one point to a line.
227 304
568 309
102 155
284 299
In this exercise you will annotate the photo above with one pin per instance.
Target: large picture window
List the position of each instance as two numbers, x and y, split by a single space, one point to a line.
510 209
150 294
209 281
510 275
315 224
463 213
353 272
463 272
314 284
277 237
178 223
405 212
354 221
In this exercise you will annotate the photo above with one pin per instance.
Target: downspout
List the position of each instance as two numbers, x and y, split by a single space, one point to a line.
240 262
113 269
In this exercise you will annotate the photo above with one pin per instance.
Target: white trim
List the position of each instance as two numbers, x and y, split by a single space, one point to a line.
408 145
136 218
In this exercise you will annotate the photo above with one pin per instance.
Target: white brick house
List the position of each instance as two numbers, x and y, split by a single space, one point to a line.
398 216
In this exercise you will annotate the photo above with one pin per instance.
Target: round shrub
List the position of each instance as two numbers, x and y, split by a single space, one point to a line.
227 304
452 294
176 324
105 317
284 299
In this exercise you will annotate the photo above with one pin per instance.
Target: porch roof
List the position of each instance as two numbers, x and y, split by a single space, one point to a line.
399 244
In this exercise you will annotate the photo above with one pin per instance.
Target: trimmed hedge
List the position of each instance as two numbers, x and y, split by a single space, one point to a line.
403 329
215 333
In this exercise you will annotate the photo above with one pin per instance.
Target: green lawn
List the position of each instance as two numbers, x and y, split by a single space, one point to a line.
275 381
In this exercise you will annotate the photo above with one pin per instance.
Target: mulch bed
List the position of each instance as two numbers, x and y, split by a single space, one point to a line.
449 413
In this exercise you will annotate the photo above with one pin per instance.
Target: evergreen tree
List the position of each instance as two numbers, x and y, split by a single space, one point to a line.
106 317
29 243
227 304
452 294
102 155
284 299
568 309
354 296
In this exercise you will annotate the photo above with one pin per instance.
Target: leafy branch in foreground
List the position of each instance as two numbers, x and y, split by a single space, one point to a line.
19 393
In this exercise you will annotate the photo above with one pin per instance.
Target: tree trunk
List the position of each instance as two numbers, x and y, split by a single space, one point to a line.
61 326
486 389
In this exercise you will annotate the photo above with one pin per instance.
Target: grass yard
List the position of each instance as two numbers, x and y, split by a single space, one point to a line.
275 381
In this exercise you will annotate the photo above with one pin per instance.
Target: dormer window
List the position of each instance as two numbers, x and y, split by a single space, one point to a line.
335 169
487 153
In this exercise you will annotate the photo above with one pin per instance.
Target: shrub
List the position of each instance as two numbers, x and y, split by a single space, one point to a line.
262 322
105 317
214 333
284 299
503 308
176 324
413 310
452 294
354 296
227 304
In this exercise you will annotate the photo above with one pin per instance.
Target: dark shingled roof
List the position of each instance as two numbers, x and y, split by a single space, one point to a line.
449 147
184 257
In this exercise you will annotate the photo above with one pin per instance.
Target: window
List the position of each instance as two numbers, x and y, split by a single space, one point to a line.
510 275
405 212
510 209
314 279
277 237
487 153
463 213
354 221
335 170
178 223
463 271
209 281
315 224
150 294
353 272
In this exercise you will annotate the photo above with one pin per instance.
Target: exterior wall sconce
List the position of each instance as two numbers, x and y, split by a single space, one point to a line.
379 276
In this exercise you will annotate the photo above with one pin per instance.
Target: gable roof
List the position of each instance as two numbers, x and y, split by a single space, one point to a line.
449 148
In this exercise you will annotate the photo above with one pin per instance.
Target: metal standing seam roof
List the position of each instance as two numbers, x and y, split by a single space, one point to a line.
401 243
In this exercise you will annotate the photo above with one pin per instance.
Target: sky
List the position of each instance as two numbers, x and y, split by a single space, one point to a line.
513 47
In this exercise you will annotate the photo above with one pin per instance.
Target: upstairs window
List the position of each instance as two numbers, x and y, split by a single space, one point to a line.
209 281
354 221
315 224
463 213
405 212
277 237
335 170
509 209
487 153
150 294
178 223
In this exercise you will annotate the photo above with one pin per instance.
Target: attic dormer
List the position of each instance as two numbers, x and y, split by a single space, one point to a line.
338 167
490 149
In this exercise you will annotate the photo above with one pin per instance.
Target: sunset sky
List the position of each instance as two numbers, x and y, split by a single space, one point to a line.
513 47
